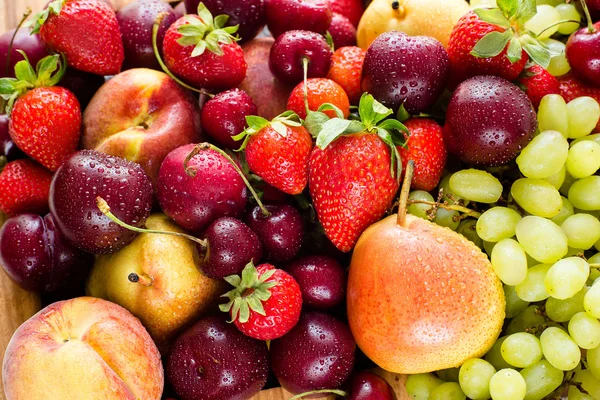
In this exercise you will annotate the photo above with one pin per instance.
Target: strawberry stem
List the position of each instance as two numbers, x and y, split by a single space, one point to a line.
332 391
588 17
305 62
26 15
208 146
410 169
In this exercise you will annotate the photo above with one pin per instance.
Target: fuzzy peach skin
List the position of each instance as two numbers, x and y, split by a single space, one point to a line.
141 115
85 349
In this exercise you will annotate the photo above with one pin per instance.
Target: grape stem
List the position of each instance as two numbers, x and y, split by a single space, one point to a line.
332 391
563 21
451 207
595 265
403 201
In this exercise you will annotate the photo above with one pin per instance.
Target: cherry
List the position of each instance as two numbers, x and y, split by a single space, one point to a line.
83 85
37 256
291 49
86 175
583 54
231 245
30 44
213 360
8 148
287 15
224 116
280 233
594 7
322 281
365 385
342 31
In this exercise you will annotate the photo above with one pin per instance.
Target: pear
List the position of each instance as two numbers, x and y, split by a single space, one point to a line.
420 296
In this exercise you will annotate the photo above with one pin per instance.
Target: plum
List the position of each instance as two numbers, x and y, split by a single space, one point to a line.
30 44
366 385
8 148
287 15
83 85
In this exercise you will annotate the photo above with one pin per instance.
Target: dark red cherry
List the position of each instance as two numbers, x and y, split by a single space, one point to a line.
583 54
365 385
342 31
30 44
307 15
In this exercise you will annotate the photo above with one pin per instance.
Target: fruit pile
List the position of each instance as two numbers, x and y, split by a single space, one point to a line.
209 207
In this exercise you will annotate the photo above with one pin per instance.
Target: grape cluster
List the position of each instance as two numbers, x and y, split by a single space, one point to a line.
539 224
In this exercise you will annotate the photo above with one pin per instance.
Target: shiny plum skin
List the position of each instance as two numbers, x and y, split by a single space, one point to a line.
287 15
366 385
193 202
30 44
342 31
83 85
37 257
401 69
318 353
82 177
213 360
583 53
488 121
8 148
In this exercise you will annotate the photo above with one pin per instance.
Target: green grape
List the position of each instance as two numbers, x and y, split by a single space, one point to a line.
509 261
494 355
594 274
575 394
597 245
551 113
416 209
593 361
514 304
567 183
559 65
541 379
449 195
447 218
507 384
420 386
559 349
591 301
474 378
529 318
565 212
589 382
521 350
537 197
585 193
542 22
583 159
595 137
558 178
532 288
544 155
570 13
585 330
467 228
476 185
497 223
563 310
583 114
542 239
582 230
447 391
448 374
566 277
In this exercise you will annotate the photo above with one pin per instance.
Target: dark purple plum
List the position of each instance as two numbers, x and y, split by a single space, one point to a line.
231 245
289 50
224 116
318 353
488 121
37 257
280 233
215 190
136 20
30 44
594 7
8 148
307 15
583 53
366 385
248 14
322 281
213 360
342 31
82 84
401 69
86 175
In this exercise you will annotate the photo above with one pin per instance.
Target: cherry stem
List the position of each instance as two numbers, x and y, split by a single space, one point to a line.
595 265
105 209
332 391
564 21
588 17
141 279
305 62
410 169
155 28
26 15
451 207
190 171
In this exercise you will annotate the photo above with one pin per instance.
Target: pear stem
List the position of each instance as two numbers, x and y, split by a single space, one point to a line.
305 62
410 169
141 279
105 209
588 17
451 207
26 15
332 391
208 146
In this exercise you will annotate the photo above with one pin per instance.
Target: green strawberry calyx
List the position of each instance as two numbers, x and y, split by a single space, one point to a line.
512 15
40 18
206 32
249 293
256 124
49 71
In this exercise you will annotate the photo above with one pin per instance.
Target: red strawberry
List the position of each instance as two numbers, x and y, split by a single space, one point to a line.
278 151
202 52
425 146
24 187
266 302
572 88
346 68
537 83
86 32
319 91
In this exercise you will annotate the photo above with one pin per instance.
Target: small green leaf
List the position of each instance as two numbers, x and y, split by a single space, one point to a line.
515 50
188 40
7 86
248 275
40 18
24 72
226 307
256 122
237 303
199 49
212 43
233 280
402 115
526 10
244 312
280 128
265 276
336 127
56 6
393 124
192 30
509 7
491 44
221 20
332 107
256 305
493 16
314 122
205 14
371 111
537 52
231 29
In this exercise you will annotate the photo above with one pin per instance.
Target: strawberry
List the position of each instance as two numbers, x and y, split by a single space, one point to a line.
45 121
319 91
346 70
24 187
425 146
278 151
266 302
354 172
537 83
86 32
202 51
572 88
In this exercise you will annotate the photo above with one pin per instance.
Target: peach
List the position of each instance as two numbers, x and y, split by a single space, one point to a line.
141 115
84 348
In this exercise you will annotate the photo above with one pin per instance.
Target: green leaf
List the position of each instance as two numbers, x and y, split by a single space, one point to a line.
237 303
56 6
24 72
256 122
265 276
262 295
205 14
256 305
537 53
248 275
493 16
212 43
329 40
336 127
233 280
328 106
40 18
314 122
231 29
526 10
393 124
199 49
515 50
509 7
402 115
221 20
50 70
192 30
244 312
226 307
188 40
371 111
7 86
491 44
280 128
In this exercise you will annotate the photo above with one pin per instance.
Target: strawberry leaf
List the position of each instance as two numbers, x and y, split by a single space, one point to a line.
402 115
40 18
205 15
493 16
206 32
257 123
537 51
508 7
335 128
200 48
314 122
221 20
332 107
47 72
491 44
515 50
371 111
24 72
395 164
279 127
393 124
525 11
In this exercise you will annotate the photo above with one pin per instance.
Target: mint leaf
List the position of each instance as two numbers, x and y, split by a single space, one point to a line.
336 127
491 44
314 122
515 50
493 16
509 7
